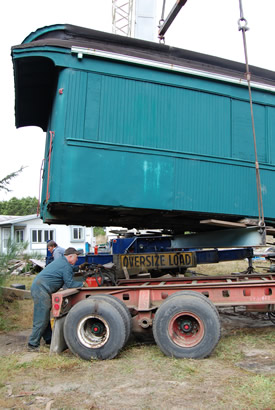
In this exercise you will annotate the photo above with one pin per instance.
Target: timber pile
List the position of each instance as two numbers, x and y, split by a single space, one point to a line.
25 267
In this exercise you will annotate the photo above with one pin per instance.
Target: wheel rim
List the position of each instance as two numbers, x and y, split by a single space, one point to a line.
93 331
186 329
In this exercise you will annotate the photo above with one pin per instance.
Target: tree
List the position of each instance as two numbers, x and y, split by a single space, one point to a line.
98 230
6 181
15 206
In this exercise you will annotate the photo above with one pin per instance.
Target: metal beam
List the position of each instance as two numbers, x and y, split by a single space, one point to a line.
227 238
171 17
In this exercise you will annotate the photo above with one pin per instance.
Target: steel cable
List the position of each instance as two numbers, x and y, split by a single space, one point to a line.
242 23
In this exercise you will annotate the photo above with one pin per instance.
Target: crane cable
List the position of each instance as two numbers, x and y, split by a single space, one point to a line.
242 23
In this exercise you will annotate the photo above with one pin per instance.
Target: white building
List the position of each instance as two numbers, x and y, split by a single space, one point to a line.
31 229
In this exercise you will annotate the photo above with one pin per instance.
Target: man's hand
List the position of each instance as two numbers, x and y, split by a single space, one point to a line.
85 285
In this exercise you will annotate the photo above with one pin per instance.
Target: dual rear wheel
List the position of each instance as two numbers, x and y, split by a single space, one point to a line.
186 325
98 327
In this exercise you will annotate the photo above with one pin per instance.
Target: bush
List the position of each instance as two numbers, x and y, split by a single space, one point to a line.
14 250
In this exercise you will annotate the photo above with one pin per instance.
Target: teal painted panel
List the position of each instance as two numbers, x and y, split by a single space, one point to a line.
268 192
242 141
159 116
128 112
105 177
215 187
74 92
82 93
92 111
271 134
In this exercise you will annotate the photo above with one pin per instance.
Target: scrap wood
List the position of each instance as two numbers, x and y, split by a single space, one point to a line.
38 262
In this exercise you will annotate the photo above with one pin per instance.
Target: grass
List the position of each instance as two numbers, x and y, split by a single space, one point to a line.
255 338
16 315
22 279
251 392
226 268
12 367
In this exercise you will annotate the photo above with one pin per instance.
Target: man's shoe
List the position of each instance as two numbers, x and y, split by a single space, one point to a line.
32 348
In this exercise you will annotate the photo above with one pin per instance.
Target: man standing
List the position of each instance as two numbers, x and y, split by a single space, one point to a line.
57 274
55 250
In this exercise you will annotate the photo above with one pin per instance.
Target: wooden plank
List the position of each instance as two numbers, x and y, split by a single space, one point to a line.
226 224
249 221
270 231
16 293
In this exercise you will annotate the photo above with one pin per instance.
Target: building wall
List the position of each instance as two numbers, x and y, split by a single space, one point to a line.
36 233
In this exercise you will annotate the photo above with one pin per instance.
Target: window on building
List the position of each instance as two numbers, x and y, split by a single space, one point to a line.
77 233
36 235
19 236
42 235
48 236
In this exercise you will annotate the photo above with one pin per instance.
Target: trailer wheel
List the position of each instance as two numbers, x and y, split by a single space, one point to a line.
197 295
187 325
122 308
95 329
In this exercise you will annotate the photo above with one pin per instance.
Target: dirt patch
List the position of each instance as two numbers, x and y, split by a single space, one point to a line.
141 377
13 342
259 361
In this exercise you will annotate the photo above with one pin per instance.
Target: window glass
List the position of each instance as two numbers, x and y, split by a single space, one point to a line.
19 236
34 236
77 233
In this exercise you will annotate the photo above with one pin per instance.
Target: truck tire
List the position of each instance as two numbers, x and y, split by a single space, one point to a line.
95 329
122 308
197 295
187 325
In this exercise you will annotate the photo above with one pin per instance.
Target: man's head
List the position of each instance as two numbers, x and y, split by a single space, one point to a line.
71 254
51 245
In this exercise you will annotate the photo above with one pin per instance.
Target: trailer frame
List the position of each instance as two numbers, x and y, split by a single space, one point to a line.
143 298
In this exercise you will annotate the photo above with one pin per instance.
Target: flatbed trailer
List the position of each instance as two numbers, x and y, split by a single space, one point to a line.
96 322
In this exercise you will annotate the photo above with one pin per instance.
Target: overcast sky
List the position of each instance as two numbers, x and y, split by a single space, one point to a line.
206 26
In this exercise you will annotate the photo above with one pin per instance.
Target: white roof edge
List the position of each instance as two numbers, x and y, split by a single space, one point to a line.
81 51
13 219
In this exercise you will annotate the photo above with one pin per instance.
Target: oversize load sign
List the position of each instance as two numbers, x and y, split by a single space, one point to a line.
158 260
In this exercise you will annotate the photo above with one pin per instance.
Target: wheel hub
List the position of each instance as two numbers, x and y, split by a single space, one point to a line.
186 329
185 326
93 331
97 328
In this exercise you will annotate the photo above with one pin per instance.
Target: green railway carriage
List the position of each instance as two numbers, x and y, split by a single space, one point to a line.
141 134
